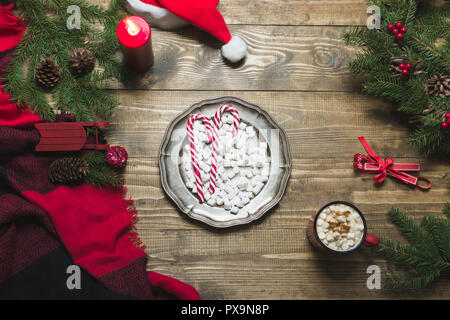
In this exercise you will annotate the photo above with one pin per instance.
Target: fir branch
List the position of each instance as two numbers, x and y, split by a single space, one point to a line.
416 235
48 36
428 47
446 210
100 174
439 229
399 252
428 56
411 12
413 279
428 253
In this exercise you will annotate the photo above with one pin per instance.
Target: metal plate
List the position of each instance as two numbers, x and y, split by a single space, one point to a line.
172 181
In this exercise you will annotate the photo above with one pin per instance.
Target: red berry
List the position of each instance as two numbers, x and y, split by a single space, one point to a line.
398 24
405 72
390 26
403 30
401 66
444 125
399 35
447 115
395 31
408 66
116 157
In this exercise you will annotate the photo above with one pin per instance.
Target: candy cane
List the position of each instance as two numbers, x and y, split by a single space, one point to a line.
217 119
195 166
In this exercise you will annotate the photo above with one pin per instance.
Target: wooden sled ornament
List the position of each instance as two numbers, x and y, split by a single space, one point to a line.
68 136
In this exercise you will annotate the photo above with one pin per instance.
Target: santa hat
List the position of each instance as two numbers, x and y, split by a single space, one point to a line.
170 14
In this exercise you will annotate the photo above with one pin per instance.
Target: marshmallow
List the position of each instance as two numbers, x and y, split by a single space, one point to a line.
204 166
243 164
337 227
189 184
227 205
243 183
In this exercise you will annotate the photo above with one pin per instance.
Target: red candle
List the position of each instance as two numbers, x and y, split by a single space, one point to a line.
134 35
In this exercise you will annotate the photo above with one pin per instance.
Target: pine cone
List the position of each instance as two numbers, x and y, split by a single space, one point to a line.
47 73
81 61
439 85
67 170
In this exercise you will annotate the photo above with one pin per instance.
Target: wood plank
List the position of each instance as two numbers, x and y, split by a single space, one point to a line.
242 262
295 12
318 125
313 183
297 71
279 58
293 276
245 262
289 12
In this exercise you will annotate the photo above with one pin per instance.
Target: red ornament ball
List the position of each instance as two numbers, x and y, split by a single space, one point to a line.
447 115
403 30
408 66
444 125
405 72
398 24
401 66
395 31
390 26
399 35
116 157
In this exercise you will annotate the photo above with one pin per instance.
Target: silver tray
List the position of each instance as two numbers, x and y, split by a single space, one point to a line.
175 139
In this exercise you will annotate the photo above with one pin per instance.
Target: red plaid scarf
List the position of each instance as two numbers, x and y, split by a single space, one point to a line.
38 218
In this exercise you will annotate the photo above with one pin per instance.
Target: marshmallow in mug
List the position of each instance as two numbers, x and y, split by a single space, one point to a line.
340 227
243 164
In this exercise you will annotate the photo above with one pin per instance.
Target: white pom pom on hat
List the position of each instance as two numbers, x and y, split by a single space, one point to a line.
171 14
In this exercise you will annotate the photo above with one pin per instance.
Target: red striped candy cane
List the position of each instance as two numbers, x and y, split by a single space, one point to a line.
215 144
195 166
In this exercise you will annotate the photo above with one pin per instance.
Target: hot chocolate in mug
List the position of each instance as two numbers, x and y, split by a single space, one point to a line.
339 227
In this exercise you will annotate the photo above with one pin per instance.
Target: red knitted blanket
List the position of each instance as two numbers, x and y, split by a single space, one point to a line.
45 228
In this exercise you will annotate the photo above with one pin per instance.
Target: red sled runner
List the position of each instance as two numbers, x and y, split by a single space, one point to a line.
68 136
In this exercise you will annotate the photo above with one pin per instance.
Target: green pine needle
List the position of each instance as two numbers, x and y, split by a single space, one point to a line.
47 35
425 42
428 251
100 174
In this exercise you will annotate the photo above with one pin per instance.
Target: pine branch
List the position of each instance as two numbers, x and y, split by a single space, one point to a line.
100 174
48 36
401 253
446 210
428 255
439 229
413 279
425 46
416 235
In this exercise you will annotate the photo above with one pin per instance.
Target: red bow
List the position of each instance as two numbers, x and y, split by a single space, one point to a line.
385 167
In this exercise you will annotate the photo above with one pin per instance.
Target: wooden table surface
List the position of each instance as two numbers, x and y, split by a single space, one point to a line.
296 69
